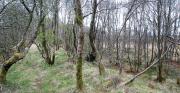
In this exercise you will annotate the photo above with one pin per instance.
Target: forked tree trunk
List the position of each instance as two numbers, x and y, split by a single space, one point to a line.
21 49
17 55
47 55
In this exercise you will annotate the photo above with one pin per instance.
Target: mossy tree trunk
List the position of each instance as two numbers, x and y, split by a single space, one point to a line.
79 75
3 72
79 23
47 55
17 55
46 50
21 49
101 66
7 64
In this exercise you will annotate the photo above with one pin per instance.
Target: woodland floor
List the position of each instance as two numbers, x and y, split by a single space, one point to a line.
32 75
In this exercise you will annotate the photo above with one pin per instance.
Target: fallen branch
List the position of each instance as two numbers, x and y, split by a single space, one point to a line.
155 62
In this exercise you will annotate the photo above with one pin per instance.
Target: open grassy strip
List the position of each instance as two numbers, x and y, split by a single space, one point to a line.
32 75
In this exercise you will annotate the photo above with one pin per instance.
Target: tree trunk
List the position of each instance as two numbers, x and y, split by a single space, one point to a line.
79 22
159 75
3 72
49 58
45 47
6 65
92 33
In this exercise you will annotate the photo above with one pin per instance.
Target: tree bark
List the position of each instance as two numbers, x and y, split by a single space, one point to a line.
7 64
92 33
79 22
159 75
46 54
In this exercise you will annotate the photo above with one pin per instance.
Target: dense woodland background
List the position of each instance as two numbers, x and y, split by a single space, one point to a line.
90 46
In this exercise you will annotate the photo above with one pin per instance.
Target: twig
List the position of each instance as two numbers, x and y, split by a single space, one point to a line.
4 7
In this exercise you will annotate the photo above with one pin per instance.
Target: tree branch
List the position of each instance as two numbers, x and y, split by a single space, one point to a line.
99 11
4 7
27 8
